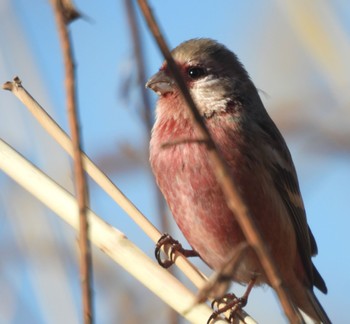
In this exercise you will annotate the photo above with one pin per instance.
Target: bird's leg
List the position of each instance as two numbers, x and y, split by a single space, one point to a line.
220 280
232 302
166 239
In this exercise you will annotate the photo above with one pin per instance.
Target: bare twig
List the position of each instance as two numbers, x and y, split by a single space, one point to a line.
233 198
107 238
139 56
147 113
80 181
146 102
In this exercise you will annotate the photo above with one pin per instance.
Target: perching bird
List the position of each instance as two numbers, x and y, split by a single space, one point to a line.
258 160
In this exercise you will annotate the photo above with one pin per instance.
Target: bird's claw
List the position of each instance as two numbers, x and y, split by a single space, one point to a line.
232 303
166 239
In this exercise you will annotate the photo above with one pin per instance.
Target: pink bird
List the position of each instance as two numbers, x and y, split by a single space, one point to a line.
258 160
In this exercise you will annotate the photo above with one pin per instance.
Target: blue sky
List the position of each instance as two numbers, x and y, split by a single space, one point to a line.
299 92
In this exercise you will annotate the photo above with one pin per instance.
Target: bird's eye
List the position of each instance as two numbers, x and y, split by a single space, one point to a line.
196 72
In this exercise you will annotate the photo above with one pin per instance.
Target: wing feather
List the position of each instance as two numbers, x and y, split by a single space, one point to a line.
286 182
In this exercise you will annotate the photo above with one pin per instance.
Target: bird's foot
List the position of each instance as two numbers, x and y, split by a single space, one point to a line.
166 240
231 303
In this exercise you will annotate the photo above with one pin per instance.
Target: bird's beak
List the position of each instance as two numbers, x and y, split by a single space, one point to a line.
161 83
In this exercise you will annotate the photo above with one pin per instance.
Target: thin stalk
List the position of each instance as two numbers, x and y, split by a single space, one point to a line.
79 175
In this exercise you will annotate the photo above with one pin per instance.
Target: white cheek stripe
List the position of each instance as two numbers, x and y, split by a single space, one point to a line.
209 101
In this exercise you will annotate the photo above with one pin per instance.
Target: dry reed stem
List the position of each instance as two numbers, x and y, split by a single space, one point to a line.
233 198
107 238
79 175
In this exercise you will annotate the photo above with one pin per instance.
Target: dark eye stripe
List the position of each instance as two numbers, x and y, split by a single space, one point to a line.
196 72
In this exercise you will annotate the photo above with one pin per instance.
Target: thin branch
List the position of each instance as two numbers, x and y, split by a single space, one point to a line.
79 175
139 56
146 102
104 236
147 113
233 198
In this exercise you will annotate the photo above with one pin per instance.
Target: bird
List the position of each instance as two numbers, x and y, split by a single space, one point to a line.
257 158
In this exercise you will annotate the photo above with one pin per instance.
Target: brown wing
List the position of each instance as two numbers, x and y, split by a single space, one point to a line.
286 181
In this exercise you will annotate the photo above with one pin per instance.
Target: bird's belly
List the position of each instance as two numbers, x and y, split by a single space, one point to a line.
197 203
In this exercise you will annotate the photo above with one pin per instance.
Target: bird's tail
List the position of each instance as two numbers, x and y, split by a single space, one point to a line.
317 308
304 298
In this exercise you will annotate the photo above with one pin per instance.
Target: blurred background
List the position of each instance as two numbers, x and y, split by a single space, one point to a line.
297 53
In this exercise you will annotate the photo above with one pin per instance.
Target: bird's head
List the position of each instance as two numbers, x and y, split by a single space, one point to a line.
213 74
